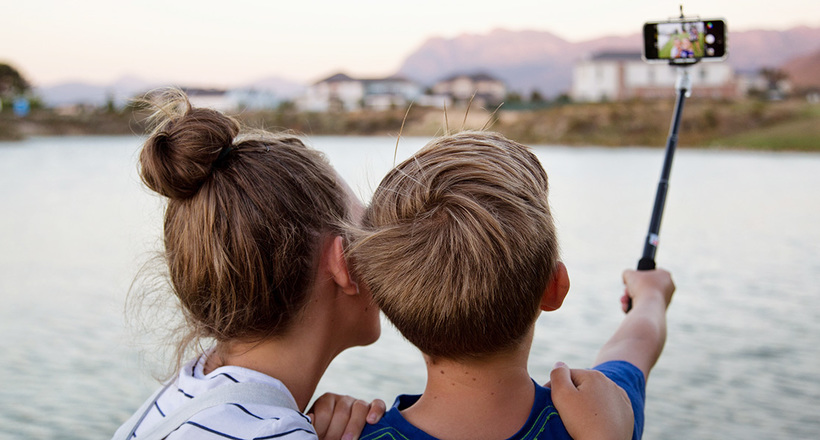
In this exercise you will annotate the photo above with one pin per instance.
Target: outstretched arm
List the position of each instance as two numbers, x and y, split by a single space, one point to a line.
640 338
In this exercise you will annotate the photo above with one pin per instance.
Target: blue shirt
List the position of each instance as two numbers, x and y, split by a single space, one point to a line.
543 422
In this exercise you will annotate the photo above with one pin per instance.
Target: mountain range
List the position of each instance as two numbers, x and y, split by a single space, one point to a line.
126 87
538 60
525 60
804 71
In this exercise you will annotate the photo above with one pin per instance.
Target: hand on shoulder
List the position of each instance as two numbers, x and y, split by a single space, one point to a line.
337 417
590 404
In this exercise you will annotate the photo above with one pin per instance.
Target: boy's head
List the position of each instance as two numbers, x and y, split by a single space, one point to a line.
458 245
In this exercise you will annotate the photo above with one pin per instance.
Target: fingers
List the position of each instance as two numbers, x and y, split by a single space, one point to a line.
582 379
349 429
377 410
625 275
560 379
336 417
359 413
331 414
590 404
565 380
322 412
648 282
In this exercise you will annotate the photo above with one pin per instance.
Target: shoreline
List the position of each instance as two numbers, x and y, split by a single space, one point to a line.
792 125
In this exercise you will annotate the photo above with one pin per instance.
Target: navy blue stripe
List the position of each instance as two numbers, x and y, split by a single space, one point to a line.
250 414
284 434
228 376
160 411
205 428
304 417
185 394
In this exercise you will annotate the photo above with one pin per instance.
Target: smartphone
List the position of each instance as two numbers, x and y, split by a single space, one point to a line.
685 41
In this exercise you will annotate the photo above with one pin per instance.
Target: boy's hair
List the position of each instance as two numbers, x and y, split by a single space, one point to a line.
458 245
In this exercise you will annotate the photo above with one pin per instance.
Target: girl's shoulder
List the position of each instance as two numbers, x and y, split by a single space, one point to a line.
238 419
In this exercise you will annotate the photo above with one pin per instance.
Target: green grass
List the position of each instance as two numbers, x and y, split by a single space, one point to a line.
791 125
799 135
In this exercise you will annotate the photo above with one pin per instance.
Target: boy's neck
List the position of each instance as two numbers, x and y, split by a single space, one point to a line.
486 399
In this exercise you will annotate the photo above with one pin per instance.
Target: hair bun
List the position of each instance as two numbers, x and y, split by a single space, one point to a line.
178 157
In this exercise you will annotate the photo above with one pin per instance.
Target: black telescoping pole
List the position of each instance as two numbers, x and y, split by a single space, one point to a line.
647 261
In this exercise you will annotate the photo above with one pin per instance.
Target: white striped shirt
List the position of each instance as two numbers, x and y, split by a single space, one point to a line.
227 421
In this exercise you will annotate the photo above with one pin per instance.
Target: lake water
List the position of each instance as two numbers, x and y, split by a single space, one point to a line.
740 234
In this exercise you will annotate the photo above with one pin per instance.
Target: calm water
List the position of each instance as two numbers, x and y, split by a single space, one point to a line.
740 235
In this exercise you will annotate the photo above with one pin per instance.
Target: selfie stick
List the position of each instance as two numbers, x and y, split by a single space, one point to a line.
683 87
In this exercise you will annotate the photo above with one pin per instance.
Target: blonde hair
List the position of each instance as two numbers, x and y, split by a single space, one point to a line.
244 220
458 245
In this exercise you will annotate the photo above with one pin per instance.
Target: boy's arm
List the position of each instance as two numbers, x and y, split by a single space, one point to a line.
640 338
590 404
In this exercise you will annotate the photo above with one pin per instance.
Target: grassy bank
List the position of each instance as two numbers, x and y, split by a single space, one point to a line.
46 122
785 125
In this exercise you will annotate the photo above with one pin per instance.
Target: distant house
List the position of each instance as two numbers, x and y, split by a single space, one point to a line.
615 76
395 91
488 90
438 101
210 98
233 99
764 83
337 92
343 93
253 99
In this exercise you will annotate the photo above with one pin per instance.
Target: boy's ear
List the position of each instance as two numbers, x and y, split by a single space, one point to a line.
338 267
556 290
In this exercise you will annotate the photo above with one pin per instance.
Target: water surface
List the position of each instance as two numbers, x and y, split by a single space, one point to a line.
739 234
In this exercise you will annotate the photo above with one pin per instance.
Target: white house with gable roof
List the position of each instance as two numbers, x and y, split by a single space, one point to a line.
232 99
338 92
616 76
343 93
483 89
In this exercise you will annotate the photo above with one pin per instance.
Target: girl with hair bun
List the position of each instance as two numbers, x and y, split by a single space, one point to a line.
254 246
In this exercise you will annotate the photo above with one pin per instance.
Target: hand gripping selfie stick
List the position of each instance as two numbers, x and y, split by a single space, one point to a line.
683 87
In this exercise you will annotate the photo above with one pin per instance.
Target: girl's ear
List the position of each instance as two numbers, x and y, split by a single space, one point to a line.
338 267
556 290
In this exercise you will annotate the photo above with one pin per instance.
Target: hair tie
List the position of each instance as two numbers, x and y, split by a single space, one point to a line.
223 154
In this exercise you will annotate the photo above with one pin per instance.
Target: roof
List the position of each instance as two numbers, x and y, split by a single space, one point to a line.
616 56
390 79
199 91
339 77
480 76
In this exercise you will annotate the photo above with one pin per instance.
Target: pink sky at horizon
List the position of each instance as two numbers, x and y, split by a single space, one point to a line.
211 43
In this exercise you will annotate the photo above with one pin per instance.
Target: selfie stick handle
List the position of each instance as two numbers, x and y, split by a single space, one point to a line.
647 261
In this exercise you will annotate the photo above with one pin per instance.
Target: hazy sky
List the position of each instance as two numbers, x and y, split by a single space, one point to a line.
222 43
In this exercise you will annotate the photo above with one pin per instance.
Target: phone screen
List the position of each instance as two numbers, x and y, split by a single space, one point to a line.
685 41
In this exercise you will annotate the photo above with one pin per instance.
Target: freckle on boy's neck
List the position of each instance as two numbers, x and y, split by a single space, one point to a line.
497 384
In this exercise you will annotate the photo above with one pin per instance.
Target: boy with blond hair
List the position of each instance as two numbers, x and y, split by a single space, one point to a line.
459 249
